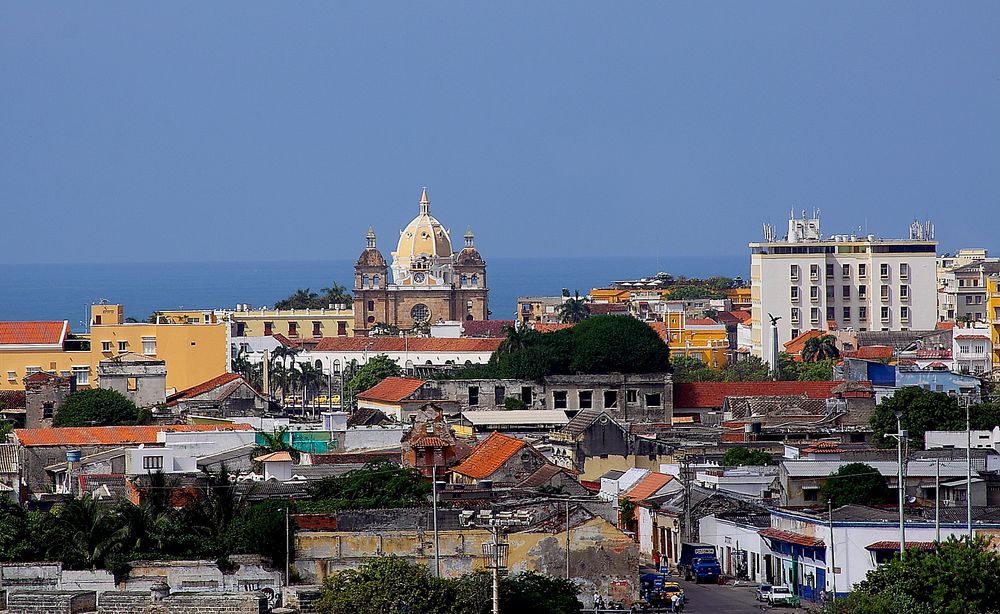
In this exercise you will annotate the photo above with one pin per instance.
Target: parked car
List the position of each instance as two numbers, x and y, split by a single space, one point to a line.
764 592
782 595
672 588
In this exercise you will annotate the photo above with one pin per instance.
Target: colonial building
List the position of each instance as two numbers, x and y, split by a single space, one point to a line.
429 281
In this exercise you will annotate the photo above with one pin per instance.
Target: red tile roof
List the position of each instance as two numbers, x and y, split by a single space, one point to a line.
823 447
487 457
889 545
392 389
744 316
377 345
933 353
689 395
111 435
700 322
275 457
33 333
944 325
796 345
604 309
871 352
792 538
11 399
204 387
974 336
647 486
543 327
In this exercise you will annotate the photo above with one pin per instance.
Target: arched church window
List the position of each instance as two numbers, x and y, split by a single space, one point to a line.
475 279
375 281
366 281
420 313
371 305
465 280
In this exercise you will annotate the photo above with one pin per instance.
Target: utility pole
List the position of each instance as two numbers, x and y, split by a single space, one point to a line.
434 490
686 480
937 500
968 465
288 539
567 540
900 435
833 549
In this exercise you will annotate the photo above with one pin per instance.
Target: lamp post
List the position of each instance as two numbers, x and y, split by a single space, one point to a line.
968 467
495 551
900 435
833 550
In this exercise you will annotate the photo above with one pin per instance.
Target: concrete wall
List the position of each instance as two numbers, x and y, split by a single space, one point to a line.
125 602
602 558
372 437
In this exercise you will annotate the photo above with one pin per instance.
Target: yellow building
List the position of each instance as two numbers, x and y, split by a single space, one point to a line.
740 298
27 347
609 295
294 323
993 315
194 353
701 338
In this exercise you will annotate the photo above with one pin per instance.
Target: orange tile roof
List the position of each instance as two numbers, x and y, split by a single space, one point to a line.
796 345
792 538
275 457
744 316
894 546
489 455
700 322
376 345
112 435
543 327
943 326
871 352
689 395
33 333
204 387
979 335
392 389
648 486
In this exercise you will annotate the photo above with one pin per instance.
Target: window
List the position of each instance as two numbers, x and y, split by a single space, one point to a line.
904 270
829 269
631 396
499 394
795 333
12 376
586 399
862 270
795 317
845 270
47 408
475 280
968 299
830 293
810 494
82 374
268 329
371 305
123 346
341 329
885 314
527 395
152 462
105 346
904 314
885 292
814 293
375 281
559 399
862 292
473 396
831 313
653 399
366 281
420 313
610 399
814 315
814 272
293 329
317 329
883 270
132 383
793 272
845 291
149 346
794 293
464 280
904 291
31 370
847 314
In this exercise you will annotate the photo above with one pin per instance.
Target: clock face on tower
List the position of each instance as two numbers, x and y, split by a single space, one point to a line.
418 278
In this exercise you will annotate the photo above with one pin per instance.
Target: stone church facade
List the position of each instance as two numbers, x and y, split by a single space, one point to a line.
426 282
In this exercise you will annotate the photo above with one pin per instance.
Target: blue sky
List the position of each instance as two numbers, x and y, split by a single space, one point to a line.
246 131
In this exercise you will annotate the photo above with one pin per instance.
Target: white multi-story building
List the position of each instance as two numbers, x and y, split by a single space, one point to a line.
812 282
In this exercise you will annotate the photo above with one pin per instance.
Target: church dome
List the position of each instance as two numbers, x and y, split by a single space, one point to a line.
423 237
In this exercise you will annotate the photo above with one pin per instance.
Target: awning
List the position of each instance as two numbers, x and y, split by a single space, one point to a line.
894 546
792 538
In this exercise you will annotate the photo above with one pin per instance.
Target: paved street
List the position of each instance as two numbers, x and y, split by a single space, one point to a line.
715 599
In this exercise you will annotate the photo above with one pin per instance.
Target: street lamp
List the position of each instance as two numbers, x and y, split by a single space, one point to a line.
497 550
900 436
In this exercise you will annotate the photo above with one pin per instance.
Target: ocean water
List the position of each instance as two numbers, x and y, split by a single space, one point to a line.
65 291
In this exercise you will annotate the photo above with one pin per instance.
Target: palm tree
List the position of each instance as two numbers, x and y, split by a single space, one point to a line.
573 309
92 534
219 502
336 293
278 441
820 348
517 338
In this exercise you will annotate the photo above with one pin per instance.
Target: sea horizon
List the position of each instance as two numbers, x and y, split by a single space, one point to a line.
64 291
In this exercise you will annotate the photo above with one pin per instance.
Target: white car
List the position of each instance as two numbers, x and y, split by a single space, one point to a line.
782 595
764 592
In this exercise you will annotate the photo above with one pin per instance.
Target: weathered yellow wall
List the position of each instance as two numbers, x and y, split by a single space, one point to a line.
594 466
253 321
57 361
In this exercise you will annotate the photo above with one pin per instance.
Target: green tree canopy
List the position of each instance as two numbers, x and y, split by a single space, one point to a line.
305 298
372 372
958 577
259 529
573 309
924 410
682 292
689 369
856 483
741 457
820 348
96 407
376 485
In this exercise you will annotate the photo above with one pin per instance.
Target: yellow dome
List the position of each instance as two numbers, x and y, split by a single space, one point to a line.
423 237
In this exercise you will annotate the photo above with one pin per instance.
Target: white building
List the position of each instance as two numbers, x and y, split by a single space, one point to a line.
972 349
332 354
842 281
